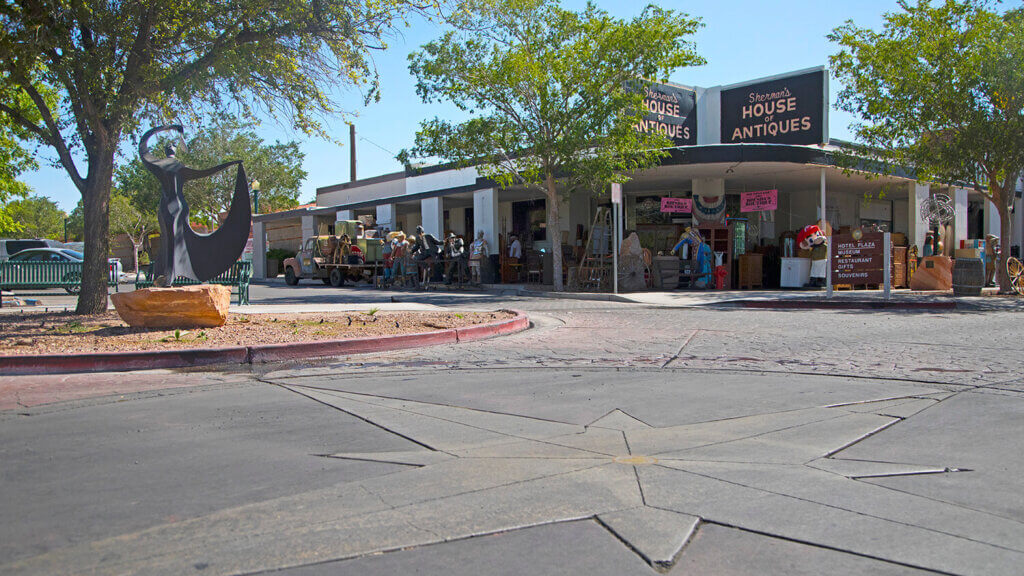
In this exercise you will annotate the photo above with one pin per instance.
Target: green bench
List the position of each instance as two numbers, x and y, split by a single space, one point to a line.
38 275
237 277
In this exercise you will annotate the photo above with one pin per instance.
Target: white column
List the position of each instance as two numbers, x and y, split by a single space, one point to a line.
824 228
708 186
259 251
485 217
917 195
308 226
386 214
344 215
959 218
991 218
433 216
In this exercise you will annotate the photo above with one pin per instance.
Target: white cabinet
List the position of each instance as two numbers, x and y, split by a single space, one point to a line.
795 272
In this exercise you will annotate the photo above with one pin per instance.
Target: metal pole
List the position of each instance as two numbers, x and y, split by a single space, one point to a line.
352 150
824 229
615 248
887 264
616 205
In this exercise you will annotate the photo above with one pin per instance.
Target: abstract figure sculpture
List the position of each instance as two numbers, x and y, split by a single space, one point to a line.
183 251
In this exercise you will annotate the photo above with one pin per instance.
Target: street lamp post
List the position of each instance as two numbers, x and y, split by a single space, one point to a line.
255 186
66 230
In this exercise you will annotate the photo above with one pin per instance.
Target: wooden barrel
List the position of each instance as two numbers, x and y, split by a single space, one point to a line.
968 276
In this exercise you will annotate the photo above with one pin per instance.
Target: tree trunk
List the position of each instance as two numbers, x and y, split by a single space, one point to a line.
1005 239
96 204
554 233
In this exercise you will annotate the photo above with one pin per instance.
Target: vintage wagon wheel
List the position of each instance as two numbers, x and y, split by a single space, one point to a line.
632 274
1015 269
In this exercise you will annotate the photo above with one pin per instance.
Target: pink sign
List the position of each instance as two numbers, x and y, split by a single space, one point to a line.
759 201
677 205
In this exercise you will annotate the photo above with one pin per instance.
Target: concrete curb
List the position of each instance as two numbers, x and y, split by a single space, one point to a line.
260 354
843 305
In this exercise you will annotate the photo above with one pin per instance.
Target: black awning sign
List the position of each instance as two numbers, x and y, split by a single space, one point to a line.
671 110
788 110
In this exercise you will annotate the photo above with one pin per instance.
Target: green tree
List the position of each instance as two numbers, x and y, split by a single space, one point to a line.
38 217
14 159
277 166
116 64
76 224
556 96
136 224
941 89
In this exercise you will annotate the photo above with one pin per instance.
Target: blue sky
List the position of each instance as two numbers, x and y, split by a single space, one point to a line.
741 40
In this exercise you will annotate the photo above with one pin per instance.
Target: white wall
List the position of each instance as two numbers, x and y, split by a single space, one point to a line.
365 193
440 180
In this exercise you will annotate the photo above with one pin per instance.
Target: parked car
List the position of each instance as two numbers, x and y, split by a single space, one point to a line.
11 247
63 255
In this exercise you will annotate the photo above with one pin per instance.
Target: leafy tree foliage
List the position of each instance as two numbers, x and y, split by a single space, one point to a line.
556 95
114 65
38 217
277 166
941 89
136 224
14 159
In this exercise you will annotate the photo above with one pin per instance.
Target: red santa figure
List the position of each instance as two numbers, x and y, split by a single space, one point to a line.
813 239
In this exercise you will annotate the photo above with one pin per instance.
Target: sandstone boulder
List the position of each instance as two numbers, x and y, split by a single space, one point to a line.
202 306
934 273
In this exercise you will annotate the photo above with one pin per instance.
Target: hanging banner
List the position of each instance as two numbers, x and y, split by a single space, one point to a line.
677 205
858 261
759 201
672 111
786 110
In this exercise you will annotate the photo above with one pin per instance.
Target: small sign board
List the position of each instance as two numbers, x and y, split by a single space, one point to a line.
677 205
616 193
858 261
759 201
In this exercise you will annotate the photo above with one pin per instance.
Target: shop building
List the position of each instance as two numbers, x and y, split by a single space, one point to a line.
756 153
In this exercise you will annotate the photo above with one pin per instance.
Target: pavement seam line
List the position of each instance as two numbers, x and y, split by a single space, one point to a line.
826 547
836 507
367 420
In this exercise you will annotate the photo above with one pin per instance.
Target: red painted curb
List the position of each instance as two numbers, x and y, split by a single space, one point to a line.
122 362
298 350
517 324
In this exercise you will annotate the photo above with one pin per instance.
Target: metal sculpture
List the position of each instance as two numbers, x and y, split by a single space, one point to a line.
183 251
938 210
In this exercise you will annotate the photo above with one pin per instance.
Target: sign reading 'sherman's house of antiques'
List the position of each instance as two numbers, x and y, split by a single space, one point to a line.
785 110
672 111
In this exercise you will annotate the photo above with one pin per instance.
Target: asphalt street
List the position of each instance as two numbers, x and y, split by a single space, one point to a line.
610 438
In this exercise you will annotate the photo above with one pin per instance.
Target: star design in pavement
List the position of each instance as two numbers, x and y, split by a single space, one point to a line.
479 472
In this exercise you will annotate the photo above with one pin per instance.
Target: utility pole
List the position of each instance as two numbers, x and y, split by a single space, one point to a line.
352 150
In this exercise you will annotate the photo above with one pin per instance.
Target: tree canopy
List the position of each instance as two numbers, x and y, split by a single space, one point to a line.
38 217
277 166
114 65
940 89
555 95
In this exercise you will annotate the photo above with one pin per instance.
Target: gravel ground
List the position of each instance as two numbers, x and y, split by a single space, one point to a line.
61 333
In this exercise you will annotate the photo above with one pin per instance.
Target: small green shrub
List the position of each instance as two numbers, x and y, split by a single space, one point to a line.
280 254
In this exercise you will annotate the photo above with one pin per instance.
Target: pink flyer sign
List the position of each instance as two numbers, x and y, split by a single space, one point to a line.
677 205
759 201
